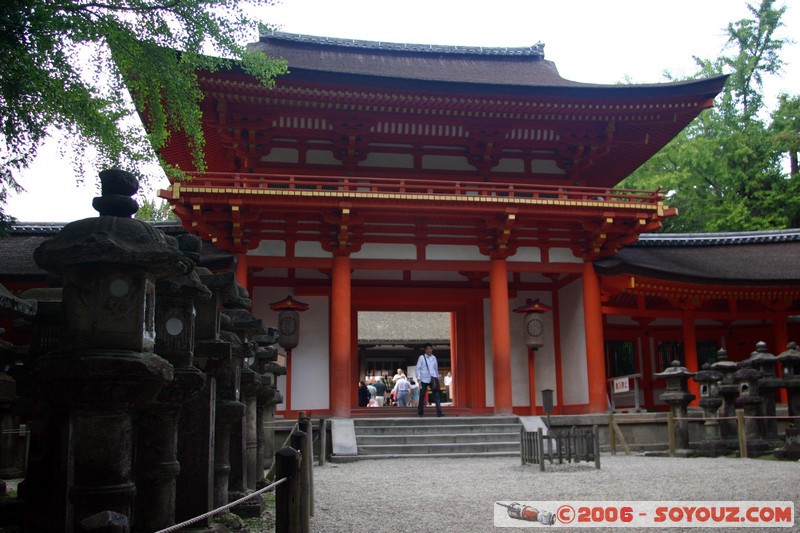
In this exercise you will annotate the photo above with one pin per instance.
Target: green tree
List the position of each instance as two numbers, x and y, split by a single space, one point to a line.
786 130
152 47
723 172
154 210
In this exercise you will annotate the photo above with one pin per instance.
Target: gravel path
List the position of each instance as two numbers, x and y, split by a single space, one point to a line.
458 495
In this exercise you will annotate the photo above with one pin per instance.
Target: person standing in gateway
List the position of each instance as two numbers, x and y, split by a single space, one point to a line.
428 376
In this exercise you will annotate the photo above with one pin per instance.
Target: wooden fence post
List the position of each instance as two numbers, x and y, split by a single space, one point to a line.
596 433
308 451
671 433
297 441
741 433
323 440
287 494
612 434
540 440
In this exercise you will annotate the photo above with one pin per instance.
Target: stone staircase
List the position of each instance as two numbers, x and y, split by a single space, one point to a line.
462 436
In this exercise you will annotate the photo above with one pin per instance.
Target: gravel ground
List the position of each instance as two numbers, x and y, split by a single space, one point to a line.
457 495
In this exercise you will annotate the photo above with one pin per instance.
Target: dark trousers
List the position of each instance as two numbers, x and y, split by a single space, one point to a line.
422 400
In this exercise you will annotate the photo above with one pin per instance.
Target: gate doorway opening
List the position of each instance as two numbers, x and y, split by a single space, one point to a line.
389 341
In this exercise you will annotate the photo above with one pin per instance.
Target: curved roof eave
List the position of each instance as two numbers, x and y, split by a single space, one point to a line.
766 257
470 69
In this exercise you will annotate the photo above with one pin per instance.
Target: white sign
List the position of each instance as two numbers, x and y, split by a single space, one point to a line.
621 385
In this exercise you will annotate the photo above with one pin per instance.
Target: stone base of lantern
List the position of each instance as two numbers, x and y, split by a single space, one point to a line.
757 448
791 450
252 508
714 448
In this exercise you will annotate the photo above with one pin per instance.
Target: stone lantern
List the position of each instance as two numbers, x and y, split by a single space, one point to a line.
677 396
768 384
790 367
728 390
105 365
710 401
158 427
749 399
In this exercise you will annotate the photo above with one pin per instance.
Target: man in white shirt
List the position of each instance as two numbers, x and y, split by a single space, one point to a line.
427 370
402 389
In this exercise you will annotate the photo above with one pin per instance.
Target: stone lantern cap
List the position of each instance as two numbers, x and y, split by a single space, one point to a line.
722 364
791 355
675 370
708 375
761 357
243 320
747 374
188 285
112 238
269 338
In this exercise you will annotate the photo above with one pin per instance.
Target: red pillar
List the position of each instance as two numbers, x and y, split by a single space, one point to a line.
780 336
595 350
241 271
342 383
501 336
557 352
690 353
532 378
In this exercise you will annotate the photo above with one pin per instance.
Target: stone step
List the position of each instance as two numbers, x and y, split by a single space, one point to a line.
429 429
464 436
441 448
465 455
434 420
434 438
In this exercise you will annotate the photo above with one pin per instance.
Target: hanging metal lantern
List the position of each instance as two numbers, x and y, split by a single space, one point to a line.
288 321
534 327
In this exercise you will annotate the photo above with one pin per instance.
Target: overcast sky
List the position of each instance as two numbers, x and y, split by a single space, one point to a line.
591 41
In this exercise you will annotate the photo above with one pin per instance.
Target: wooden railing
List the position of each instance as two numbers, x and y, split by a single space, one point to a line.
572 445
369 186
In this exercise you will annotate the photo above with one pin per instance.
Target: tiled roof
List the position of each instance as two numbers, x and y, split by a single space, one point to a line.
469 65
719 239
536 50
760 257
522 67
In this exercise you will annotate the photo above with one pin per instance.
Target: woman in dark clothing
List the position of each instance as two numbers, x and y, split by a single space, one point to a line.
363 394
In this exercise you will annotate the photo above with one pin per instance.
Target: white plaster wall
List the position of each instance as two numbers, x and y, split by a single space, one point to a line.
621 320
396 275
310 359
575 376
453 252
545 359
269 248
310 249
563 255
386 251
527 254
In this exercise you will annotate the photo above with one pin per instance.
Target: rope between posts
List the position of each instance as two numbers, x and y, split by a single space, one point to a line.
15 431
698 419
223 508
271 472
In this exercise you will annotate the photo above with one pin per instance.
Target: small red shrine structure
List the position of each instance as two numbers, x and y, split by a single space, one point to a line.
393 177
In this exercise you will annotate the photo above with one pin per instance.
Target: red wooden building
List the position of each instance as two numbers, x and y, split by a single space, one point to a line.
392 177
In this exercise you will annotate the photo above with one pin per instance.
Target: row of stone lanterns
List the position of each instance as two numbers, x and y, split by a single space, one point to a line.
749 386
116 429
